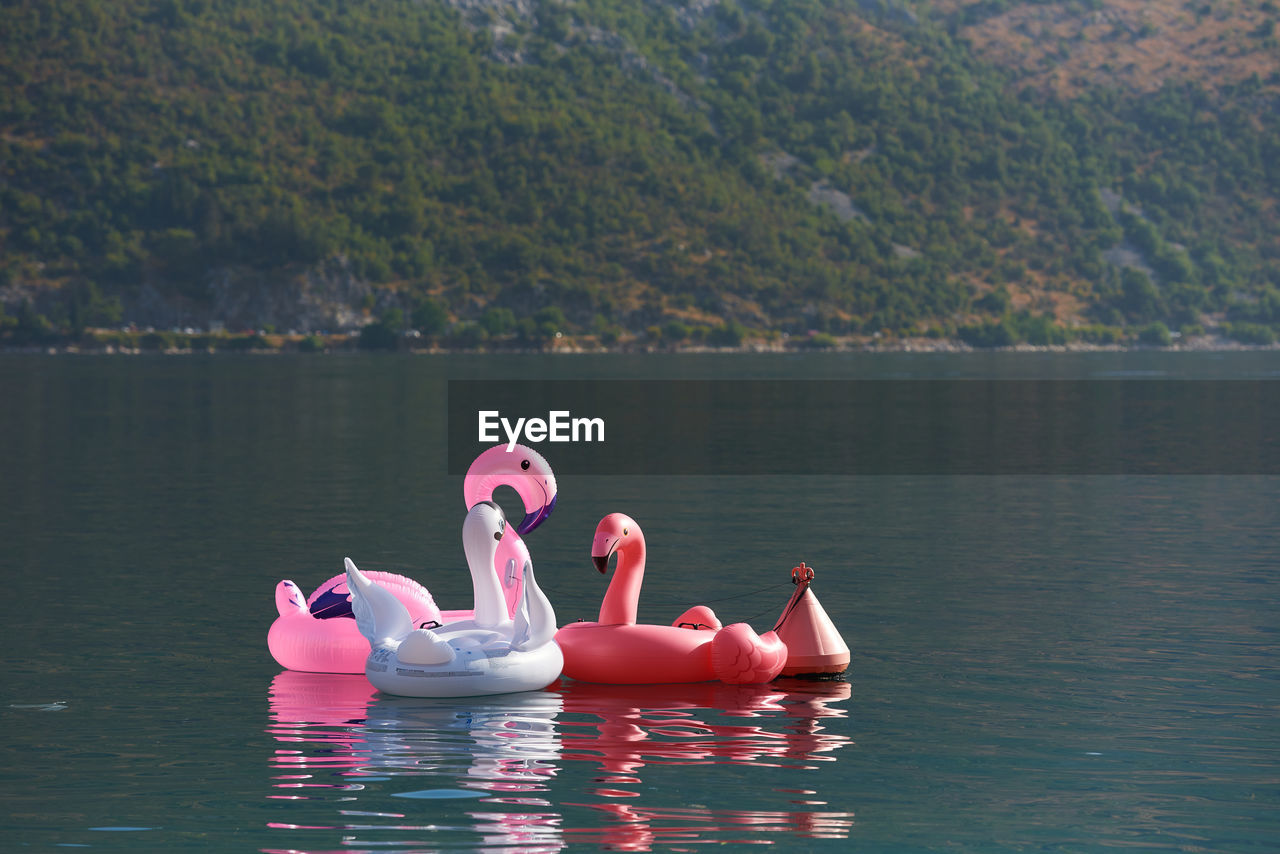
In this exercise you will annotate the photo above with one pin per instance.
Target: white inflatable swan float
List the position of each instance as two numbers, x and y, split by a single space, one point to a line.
488 654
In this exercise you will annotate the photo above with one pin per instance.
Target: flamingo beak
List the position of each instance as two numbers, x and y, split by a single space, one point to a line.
537 517
601 550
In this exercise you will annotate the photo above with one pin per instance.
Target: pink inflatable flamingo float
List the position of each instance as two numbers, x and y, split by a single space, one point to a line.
525 471
696 648
318 634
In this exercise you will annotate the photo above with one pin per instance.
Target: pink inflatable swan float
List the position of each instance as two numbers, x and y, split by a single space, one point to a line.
318 634
696 648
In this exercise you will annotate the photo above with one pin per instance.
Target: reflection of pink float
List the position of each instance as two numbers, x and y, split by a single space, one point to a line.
696 648
332 699
334 737
779 725
317 709
672 724
318 634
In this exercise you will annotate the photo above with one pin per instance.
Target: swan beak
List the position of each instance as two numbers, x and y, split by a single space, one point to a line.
537 517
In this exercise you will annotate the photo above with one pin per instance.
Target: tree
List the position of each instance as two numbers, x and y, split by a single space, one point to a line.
993 334
430 317
88 306
378 336
498 321
393 319
1140 301
1155 334
729 334
550 320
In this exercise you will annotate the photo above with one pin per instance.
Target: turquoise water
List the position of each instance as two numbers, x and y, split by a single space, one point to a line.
1060 663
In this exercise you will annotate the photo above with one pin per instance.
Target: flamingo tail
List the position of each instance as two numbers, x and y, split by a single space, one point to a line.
741 657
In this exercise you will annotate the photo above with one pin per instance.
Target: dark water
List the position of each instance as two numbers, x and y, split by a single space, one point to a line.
1060 663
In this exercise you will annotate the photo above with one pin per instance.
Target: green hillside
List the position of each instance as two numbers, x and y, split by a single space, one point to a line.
674 171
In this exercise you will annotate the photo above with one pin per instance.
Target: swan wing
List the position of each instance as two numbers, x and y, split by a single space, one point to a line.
380 616
520 620
536 615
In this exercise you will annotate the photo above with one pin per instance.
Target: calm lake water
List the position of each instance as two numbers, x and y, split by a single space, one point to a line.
1049 662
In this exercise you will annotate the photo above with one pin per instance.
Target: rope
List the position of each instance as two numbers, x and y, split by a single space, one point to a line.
752 593
802 577
791 604
661 600
754 616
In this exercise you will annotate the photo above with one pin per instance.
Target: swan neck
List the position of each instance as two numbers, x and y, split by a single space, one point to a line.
489 603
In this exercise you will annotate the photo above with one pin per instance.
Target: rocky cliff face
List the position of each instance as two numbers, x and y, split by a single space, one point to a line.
328 297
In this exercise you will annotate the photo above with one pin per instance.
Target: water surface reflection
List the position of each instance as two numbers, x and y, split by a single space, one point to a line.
576 764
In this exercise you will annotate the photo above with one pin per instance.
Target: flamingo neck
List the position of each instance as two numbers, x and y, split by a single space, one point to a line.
623 596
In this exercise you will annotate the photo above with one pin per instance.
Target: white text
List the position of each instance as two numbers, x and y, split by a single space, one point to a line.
558 426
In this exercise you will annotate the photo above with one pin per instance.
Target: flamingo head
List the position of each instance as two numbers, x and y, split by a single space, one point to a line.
524 470
615 534
289 599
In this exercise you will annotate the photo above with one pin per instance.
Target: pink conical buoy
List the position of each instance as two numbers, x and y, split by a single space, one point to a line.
814 646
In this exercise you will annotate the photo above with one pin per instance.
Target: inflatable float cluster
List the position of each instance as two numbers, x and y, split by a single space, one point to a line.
390 628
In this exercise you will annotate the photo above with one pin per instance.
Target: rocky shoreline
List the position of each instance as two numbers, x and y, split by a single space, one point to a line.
265 343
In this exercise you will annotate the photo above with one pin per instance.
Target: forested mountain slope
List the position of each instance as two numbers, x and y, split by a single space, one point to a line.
697 170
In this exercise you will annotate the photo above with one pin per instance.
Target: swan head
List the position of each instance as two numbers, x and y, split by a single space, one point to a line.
524 470
484 528
616 533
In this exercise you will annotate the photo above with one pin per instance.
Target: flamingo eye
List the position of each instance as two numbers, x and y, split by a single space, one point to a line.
524 465
625 532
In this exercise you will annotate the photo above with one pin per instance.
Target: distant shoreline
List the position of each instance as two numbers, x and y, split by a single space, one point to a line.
172 344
